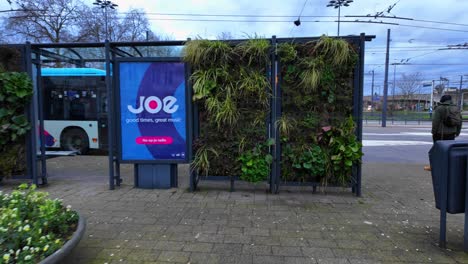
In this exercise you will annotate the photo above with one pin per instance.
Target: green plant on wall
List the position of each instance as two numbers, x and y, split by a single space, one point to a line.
342 150
15 94
317 89
287 52
207 53
255 163
232 91
310 163
205 81
337 51
201 163
255 51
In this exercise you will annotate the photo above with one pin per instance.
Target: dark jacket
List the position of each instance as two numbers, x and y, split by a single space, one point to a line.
438 126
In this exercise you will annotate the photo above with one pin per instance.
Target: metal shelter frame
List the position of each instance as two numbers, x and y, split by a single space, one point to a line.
36 55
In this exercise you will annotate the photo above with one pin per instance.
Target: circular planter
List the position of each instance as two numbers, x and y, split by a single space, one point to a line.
67 248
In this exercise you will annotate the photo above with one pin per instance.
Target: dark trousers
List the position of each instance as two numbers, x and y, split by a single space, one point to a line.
436 137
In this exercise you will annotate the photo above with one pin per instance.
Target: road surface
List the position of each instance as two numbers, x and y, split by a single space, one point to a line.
399 144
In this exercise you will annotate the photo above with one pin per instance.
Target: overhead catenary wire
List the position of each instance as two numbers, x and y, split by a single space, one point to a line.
276 21
292 16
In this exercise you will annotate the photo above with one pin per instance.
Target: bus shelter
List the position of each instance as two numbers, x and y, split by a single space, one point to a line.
73 103
79 102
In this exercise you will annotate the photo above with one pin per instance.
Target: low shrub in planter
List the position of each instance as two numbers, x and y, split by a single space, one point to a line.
32 226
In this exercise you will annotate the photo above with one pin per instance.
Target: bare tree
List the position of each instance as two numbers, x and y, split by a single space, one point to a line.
45 20
409 84
91 25
135 26
72 21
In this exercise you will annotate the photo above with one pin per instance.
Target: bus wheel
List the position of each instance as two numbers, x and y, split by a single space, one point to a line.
75 139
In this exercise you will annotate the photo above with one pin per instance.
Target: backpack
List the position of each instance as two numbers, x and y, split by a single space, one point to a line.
452 116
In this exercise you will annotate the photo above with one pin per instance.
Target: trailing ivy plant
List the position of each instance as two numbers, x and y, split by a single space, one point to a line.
255 163
15 94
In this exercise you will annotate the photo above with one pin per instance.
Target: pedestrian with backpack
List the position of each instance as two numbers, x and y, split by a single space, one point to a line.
447 122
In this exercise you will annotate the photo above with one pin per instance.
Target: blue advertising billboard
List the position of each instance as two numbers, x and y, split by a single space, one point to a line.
153 118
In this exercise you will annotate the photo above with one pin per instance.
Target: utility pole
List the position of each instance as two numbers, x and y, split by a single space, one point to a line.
459 93
385 92
432 95
372 93
393 90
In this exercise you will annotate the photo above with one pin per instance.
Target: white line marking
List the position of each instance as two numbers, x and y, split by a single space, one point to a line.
405 134
378 143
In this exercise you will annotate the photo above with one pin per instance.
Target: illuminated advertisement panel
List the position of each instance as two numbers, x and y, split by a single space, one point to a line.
153 118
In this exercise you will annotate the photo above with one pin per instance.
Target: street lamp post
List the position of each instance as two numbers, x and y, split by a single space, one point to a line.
337 4
105 4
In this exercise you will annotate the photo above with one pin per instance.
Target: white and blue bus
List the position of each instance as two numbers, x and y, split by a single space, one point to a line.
75 108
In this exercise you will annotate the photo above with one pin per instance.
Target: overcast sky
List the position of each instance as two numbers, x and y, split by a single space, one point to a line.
409 40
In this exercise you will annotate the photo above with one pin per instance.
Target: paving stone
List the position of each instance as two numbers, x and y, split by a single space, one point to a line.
113 253
230 230
174 256
299 260
287 251
317 252
209 238
363 261
352 244
268 259
253 249
236 259
204 258
294 241
141 255
198 247
333 261
228 249
169 245
396 213
256 231
237 239
84 252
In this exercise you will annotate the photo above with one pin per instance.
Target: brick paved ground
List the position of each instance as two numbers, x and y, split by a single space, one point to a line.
393 222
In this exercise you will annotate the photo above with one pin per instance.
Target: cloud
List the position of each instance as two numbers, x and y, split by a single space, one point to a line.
419 45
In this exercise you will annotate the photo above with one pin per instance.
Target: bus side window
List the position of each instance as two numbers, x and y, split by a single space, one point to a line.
77 109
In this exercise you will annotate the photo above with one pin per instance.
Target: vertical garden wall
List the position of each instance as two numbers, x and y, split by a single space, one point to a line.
15 94
288 110
231 91
317 128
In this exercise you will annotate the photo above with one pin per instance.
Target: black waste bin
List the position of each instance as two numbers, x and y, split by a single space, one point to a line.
448 159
